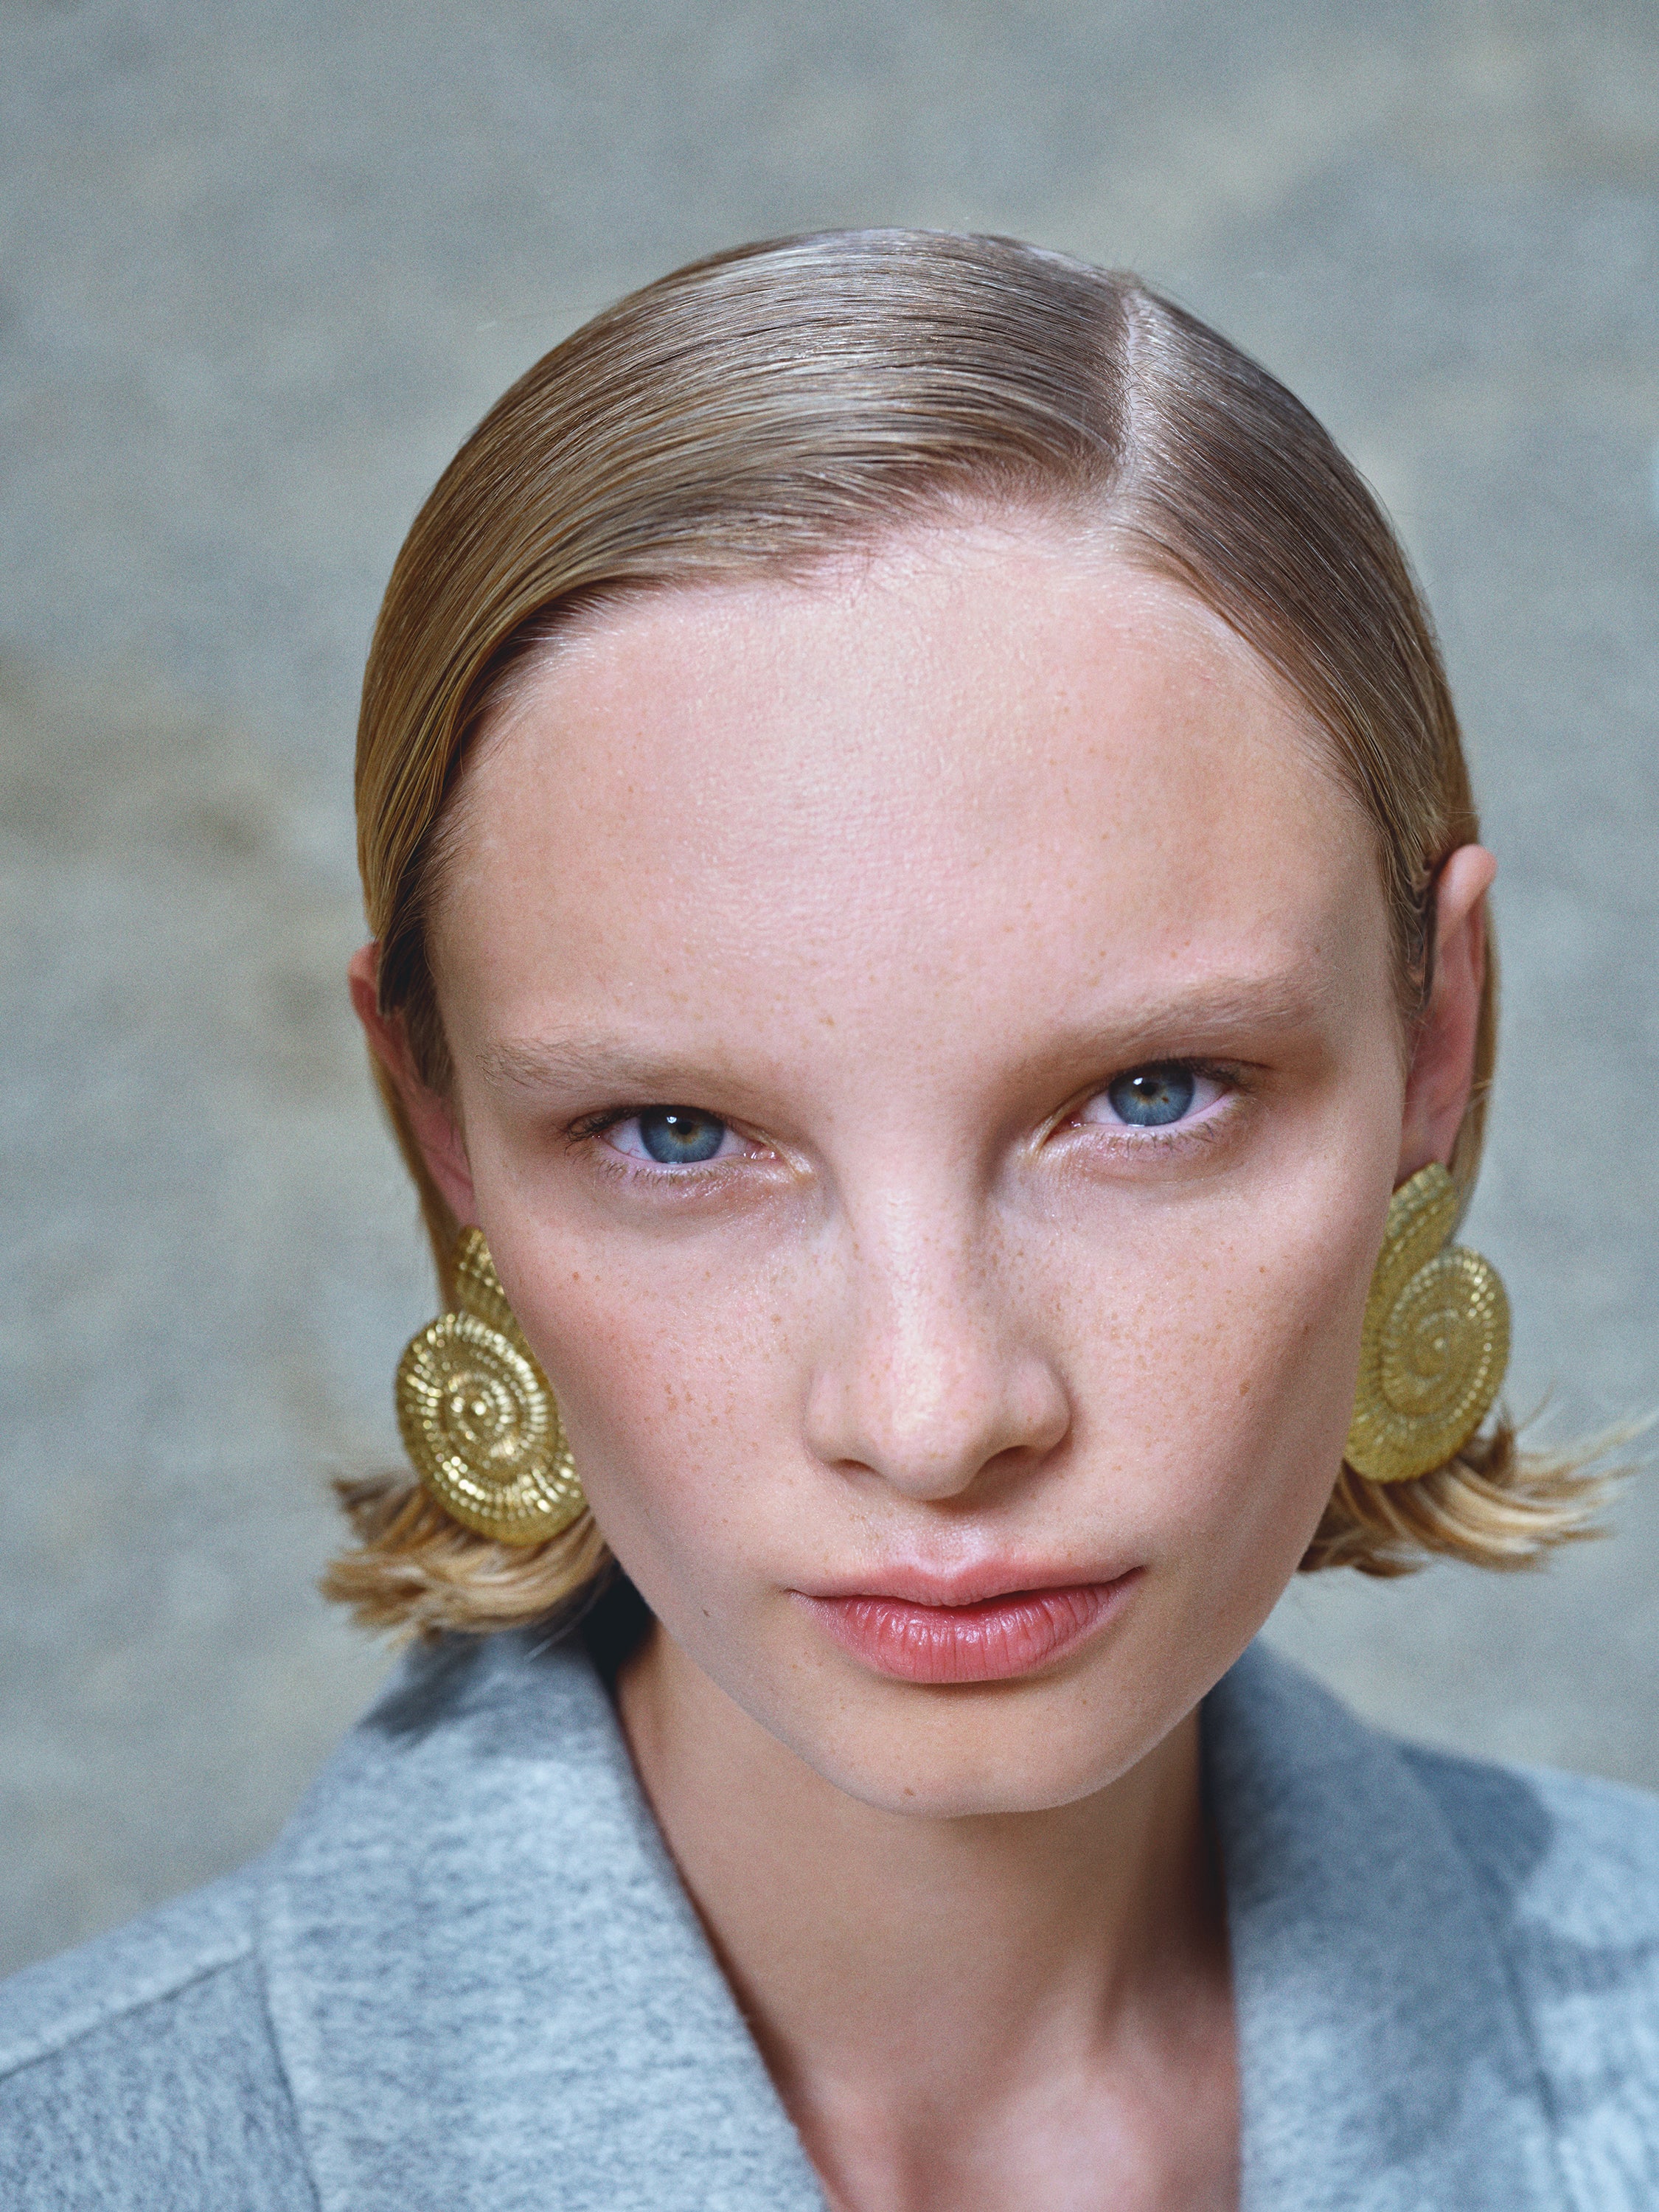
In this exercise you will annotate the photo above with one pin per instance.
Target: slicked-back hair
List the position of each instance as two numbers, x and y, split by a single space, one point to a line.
771 408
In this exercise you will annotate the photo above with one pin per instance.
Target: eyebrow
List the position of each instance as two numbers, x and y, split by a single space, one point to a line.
1260 1005
577 1063
1269 1005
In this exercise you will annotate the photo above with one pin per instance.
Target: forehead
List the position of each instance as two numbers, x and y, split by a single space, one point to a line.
981 746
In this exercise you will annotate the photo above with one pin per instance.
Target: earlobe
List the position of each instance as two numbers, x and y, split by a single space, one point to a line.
430 1117
1442 1071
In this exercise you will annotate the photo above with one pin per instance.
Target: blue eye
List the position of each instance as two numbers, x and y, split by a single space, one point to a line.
1148 1097
679 1136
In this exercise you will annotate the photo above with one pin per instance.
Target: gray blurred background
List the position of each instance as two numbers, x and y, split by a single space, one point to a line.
262 269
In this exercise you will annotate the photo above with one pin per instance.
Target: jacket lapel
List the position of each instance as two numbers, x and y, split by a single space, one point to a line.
485 1979
489 1987
1385 2065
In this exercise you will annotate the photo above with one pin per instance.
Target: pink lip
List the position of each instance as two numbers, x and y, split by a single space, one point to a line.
989 1639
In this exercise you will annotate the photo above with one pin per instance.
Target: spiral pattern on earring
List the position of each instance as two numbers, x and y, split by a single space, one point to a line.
478 1421
1434 1343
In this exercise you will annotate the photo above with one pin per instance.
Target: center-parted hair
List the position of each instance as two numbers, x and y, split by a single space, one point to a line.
768 408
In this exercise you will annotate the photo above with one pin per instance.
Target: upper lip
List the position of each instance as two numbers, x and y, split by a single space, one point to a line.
973 1584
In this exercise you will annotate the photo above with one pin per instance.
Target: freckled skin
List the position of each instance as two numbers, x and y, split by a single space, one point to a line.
894 871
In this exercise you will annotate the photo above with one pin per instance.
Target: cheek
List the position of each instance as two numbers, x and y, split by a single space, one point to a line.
1220 1400
1211 1394
677 1391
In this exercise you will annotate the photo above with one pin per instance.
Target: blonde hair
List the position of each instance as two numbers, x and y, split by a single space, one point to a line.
773 405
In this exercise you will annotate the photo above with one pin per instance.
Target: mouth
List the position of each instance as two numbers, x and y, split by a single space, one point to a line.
989 1639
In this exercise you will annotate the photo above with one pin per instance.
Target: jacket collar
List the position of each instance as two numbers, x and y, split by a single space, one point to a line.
489 1987
486 1982
1384 2059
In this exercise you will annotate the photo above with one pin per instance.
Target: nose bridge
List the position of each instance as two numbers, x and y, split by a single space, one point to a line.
927 1371
922 1270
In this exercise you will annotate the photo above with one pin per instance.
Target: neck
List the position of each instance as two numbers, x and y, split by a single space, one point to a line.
910 1979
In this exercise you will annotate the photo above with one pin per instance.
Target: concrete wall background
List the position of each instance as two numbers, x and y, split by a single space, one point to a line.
261 269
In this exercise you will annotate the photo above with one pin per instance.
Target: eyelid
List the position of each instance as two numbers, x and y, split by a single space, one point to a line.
595 1125
1230 1078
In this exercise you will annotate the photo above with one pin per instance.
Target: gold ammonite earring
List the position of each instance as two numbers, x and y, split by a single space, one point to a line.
479 1420
1435 1341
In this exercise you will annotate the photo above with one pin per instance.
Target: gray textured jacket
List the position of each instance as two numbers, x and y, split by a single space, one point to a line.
468 1977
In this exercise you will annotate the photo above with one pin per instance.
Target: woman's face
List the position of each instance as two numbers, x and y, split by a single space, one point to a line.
930 1082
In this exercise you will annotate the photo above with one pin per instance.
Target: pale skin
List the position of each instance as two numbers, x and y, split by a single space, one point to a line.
893 873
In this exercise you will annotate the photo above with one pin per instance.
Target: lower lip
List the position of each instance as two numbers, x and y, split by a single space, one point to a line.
994 1641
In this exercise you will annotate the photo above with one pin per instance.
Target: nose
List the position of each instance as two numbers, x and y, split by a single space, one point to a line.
929 1370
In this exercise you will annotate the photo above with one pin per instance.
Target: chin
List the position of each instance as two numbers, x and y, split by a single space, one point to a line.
958 1752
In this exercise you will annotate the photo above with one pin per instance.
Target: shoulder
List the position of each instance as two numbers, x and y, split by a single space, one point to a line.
1568 1870
252 2042
466 1974
140 2069
1447 1920
1564 1851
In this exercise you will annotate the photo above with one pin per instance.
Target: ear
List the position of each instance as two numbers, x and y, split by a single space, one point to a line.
430 1116
1442 1071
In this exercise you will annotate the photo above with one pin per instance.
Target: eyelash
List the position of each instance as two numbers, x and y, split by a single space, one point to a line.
625 1167
1173 1136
